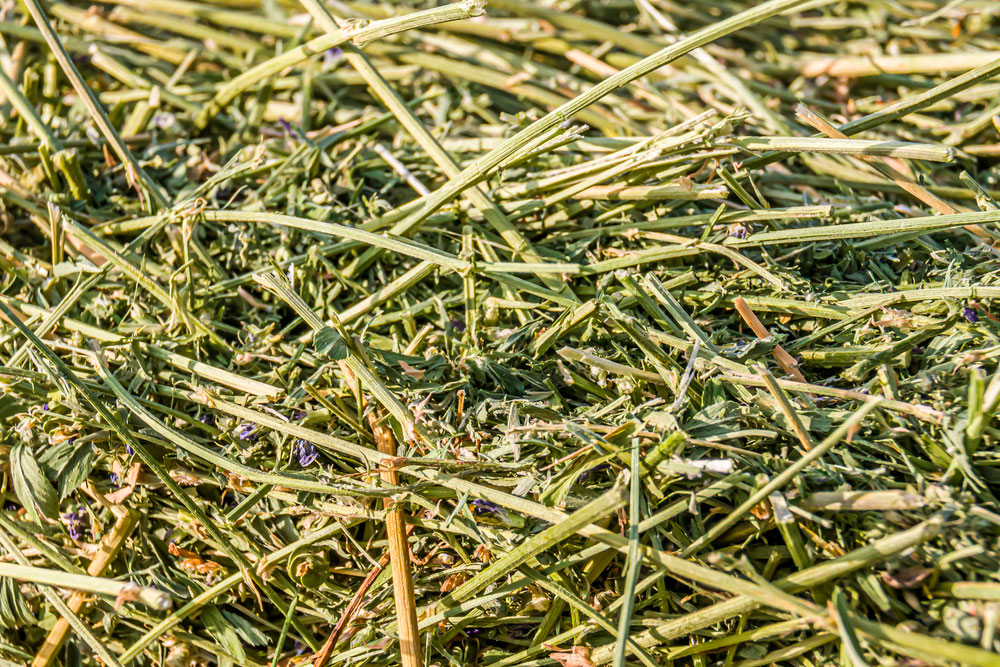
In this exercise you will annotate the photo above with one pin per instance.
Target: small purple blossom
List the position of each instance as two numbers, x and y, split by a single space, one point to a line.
76 522
331 56
970 314
739 231
115 479
299 415
246 431
480 506
458 325
129 450
288 128
208 419
305 452
164 120
587 474
45 407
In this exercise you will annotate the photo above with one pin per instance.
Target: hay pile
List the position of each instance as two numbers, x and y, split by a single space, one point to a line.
601 332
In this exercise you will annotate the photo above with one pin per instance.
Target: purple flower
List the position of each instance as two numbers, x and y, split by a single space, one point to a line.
129 450
246 431
740 231
331 56
288 128
45 407
208 419
458 325
164 119
76 522
305 452
970 314
587 474
115 479
299 416
480 506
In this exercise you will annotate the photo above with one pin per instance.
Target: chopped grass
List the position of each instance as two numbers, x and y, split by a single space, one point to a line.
599 333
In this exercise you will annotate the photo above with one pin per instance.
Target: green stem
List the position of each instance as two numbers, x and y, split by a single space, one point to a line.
371 32
486 165
786 476
152 597
157 197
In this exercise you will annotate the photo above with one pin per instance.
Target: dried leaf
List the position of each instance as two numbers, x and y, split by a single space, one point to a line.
580 657
454 581
910 577
414 373
128 483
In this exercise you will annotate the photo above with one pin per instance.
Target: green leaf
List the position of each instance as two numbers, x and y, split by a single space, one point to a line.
849 638
67 464
246 630
9 407
33 490
14 611
330 343
54 457
72 268
223 632
76 469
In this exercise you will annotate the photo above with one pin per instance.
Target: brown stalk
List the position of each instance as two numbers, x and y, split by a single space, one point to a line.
398 554
323 654
785 360
111 544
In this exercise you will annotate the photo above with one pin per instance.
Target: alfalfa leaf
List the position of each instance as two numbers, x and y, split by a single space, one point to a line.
76 470
246 630
330 343
223 632
32 488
